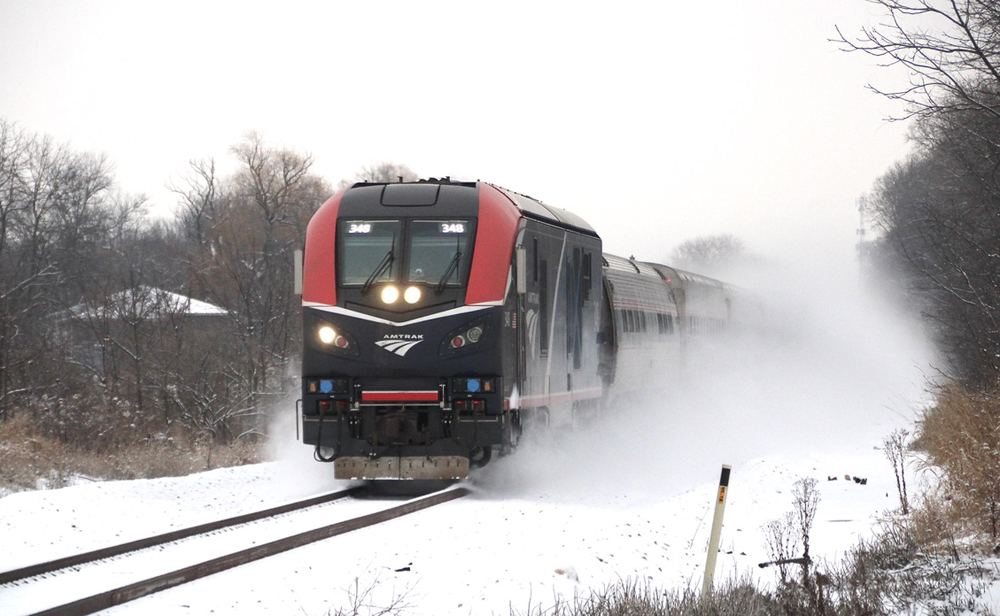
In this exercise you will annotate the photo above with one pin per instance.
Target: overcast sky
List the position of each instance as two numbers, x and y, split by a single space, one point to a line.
657 122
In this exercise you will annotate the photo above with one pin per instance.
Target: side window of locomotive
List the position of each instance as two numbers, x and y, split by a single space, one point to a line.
543 308
587 276
574 307
439 251
535 258
367 246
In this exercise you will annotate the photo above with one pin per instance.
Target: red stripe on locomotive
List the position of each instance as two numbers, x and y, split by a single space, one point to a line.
495 236
319 281
399 396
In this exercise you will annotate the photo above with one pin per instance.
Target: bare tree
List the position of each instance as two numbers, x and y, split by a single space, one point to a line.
12 153
805 498
269 178
786 535
13 145
38 175
382 172
936 211
60 222
199 207
950 49
709 254
896 448
244 263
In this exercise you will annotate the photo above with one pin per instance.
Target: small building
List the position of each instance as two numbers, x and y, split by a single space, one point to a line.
145 324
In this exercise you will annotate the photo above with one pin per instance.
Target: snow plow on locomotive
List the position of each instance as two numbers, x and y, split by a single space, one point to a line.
441 318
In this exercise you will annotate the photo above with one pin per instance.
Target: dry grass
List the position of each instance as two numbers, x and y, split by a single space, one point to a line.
941 526
887 574
960 436
30 459
631 598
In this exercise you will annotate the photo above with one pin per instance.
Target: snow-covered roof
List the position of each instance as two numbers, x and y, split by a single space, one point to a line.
147 302
191 305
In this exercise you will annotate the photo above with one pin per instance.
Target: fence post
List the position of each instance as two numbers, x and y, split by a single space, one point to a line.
713 541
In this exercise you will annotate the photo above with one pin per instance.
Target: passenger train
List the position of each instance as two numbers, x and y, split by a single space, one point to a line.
443 319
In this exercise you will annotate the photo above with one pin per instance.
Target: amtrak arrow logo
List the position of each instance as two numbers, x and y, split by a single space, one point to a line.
400 344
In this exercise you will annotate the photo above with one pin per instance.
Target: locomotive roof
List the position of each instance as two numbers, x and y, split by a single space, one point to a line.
427 192
536 209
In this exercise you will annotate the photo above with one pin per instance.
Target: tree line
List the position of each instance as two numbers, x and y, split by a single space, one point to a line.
939 210
99 343
938 217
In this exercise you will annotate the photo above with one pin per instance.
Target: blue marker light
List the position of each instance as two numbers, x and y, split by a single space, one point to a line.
326 386
472 385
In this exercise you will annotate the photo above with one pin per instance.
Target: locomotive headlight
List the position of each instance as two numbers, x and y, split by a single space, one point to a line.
330 337
390 294
327 334
412 295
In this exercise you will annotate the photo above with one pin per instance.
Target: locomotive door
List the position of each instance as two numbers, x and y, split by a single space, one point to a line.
521 336
534 313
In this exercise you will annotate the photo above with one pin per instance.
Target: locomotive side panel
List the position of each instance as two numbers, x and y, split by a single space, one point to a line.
561 310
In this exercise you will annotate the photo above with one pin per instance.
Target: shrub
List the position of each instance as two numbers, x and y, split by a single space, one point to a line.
960 435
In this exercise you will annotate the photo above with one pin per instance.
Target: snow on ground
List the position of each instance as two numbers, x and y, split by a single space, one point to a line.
502 547
55 523
629 498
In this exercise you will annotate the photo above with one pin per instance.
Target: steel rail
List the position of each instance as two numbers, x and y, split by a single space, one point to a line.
130 592
78 559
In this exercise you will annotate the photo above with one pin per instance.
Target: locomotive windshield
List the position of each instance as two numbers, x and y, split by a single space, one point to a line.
438 251
369 249
433 252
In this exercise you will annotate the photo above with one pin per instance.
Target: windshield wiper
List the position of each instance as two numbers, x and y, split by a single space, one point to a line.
383 264
448 272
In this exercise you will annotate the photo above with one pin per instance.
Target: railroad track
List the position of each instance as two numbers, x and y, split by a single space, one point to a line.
27 590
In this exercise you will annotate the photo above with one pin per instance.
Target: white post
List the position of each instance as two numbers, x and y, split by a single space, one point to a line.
713 541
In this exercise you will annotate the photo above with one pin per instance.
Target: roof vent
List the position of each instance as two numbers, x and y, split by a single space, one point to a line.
407 195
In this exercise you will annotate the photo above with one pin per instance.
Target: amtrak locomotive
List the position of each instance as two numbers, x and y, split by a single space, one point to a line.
442 319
